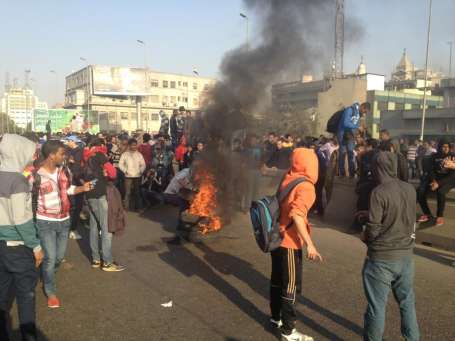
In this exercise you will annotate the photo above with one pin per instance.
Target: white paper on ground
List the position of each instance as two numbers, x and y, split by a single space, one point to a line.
167 305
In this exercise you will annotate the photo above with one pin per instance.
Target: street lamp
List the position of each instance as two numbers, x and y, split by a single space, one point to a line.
450 43
426 72
244 16
141 42
138 98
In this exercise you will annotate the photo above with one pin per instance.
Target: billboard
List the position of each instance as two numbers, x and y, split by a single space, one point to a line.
60 119
121 81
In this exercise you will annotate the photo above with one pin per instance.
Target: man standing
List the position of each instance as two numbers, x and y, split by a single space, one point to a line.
20 249
349 123
51 188
390 237
164 125
286 278
132 164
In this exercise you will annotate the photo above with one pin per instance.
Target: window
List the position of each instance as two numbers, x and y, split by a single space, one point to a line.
399 106
185 84
180 83
134 116
194 86
112 116
173 98
416 106
155 99
382 106
155 117
165 99
195 101
173 84
178 98
165 84
185 99
154 83
125 116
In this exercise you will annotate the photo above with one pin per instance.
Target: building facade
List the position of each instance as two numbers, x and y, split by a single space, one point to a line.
128 99
19 104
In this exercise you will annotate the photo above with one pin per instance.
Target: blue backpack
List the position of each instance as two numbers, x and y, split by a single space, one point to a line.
265 215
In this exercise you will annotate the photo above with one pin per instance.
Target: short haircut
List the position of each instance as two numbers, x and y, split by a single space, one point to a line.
146 138
385 131
372 143
366 105
51 147
132 141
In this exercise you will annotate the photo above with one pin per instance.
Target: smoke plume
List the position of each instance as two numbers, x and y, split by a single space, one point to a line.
295 37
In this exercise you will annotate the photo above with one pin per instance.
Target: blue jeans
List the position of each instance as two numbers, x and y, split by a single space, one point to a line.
98 216
17 270
379 277
346 147
54 239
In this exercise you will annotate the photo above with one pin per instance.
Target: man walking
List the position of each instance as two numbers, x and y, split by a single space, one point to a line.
132 164
390 237
51 188
286 278
20 249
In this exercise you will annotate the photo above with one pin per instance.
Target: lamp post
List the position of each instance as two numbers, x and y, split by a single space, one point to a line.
244 16
138 98
424 109
141 42
88 90
450 43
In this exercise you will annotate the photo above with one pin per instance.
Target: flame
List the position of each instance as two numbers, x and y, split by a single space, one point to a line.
205 202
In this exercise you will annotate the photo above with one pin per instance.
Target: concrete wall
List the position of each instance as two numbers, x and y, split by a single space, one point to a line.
342 93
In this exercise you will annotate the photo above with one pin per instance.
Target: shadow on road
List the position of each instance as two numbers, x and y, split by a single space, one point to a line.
84 243
436 256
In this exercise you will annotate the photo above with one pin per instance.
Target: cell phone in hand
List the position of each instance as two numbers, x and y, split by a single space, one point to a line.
94 181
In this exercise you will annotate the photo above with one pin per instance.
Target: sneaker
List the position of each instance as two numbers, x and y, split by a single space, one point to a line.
75 235
296 336
96 264
53 302
112 267
440 221
423 218
275 323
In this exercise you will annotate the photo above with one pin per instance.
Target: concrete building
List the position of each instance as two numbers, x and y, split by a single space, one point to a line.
389 100
131 98
19 104
439 118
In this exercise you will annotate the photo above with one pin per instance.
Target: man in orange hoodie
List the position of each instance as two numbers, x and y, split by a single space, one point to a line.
287 259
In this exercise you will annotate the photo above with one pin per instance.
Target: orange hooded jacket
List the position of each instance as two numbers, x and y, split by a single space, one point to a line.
304 163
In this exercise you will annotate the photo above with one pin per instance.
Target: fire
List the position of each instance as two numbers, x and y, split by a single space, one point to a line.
205 202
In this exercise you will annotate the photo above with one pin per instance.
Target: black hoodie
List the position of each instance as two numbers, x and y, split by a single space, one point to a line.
390 231
95 170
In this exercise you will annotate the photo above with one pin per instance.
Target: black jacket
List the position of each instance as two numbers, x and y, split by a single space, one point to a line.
95 170
390 231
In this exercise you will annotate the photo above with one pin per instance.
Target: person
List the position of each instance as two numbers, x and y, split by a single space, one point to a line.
97 171
51 187
390 237
188 157
164 125
252 172
114 158
349 123
393 146
180 153
181 181
411 157
145 148
384 136
280 157
132 164
285 281
75 165
439 179
20 249
48 130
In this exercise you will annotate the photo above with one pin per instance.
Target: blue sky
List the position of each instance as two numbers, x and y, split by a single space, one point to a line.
44 35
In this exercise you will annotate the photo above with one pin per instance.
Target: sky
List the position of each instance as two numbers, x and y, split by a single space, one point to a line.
45 35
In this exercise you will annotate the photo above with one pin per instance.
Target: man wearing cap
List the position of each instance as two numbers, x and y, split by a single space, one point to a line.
75 157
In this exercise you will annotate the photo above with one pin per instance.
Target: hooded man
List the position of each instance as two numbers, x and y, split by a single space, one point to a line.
390 236
287 259
20 249
440 179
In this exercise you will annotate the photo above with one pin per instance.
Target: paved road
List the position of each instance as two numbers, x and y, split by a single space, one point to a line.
219 289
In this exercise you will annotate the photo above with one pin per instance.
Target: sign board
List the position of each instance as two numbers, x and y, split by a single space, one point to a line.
120 81
60 119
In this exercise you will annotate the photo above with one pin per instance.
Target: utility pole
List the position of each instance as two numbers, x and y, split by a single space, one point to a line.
450 43
424 110
244 16
339 38
88 90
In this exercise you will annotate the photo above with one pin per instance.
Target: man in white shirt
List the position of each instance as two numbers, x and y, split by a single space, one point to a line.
132 164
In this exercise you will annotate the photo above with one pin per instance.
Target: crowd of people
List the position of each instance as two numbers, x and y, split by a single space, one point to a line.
49 184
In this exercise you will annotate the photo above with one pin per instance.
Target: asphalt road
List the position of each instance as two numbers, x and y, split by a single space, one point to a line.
219 289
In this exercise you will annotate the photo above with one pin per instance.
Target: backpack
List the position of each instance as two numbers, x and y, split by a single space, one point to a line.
265 215
334 122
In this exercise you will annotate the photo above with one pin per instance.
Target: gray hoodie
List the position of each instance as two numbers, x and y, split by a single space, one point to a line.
390 232
16 216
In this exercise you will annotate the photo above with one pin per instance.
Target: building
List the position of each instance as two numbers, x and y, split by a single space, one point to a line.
121 98
390 100
322 98
439 118
19 104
